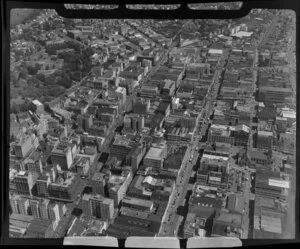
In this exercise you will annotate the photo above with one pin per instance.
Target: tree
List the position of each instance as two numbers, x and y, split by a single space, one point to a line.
27 36
46 26
64 82
78 49
25 107
56 90
34 81
13 94
33 70
50 80
58 73
51 51
14 108
41 77
38 46
38 66
42 42
13 77
67 22
77 75
23 74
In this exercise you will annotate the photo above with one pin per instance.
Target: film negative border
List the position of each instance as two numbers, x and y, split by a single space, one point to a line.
121 12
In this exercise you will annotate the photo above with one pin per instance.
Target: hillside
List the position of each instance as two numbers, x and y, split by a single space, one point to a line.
19 15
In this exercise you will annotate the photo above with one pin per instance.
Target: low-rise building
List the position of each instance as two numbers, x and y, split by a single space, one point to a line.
204 207
227 225
138 204
64 188
194 226
40 228
220 134
264 140
154 158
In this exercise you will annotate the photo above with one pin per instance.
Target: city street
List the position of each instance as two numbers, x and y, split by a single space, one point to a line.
245 214
289 232
167 228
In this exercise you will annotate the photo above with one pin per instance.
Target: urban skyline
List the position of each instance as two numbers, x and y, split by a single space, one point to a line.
129 127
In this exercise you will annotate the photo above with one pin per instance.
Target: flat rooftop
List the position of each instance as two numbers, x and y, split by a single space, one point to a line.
98 176
134 213
154 153
116 180
138 202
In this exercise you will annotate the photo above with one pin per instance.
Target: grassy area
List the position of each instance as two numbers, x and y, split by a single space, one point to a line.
18 16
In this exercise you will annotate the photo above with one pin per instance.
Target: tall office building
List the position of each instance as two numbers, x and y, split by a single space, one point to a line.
42 184
118 185
34 206
97 183
127 122
53 211
85 204
141 123
141 106
121 91
95 203
137 157
24 182
62 155
14 203
23 146
44 208
53 174
85 121
133 122
34 164
62 209
24 206
107 209
101 207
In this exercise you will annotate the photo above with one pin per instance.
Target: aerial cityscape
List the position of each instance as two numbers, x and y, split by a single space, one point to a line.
165 128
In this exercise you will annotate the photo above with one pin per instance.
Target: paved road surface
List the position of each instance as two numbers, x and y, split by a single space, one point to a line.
167 228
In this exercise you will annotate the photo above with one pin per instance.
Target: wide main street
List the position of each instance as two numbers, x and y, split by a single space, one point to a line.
182 182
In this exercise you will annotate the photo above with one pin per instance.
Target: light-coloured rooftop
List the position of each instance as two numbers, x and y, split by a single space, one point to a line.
116 180
154 153
138 202
265 133
36 102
